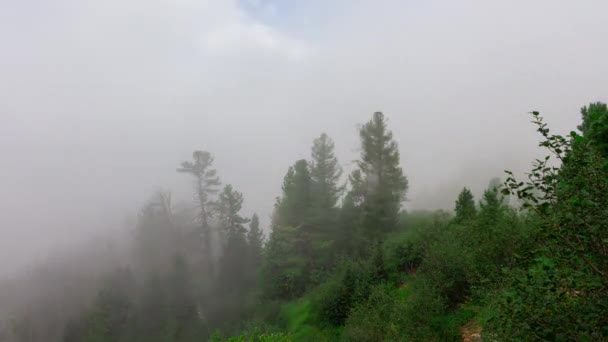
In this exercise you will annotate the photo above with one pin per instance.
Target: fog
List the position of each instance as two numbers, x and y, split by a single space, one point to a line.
101 100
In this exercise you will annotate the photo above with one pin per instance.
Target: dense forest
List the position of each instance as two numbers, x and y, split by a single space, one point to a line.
342 259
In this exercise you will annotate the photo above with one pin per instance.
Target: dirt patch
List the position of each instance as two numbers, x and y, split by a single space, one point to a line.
470 332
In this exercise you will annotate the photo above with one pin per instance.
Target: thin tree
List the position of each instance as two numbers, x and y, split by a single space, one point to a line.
255 241
206 183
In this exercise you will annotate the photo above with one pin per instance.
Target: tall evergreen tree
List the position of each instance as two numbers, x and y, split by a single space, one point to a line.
234 258
294 206
230 203
595 125
233 280
206 182
325 174
289 259
283 271
255 241
379 182
465 206
492 203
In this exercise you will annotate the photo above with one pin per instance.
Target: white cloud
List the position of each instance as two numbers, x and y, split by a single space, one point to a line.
251 37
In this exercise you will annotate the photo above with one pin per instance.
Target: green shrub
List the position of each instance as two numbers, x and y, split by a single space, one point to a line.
333 300
379 318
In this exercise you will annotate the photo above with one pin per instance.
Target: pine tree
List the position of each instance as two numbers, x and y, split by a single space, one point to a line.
379 183
234 258
294 207
465 206
283 271
325 174
255 241
233 280
288 259
492 202
230 203
206 182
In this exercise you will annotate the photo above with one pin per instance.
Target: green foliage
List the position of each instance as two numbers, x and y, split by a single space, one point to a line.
255 243
560 291
595 126
234 277
283 271
405 251
378 185
255 335
230 203
414 312
294 207
349 238
325 175
349 286
465 206
379 318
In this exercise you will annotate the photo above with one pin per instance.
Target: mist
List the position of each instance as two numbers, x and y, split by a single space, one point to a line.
100 101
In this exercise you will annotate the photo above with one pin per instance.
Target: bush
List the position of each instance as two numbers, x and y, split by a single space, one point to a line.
380 318
333 300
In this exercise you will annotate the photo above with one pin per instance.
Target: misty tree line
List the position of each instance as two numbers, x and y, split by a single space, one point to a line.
343 261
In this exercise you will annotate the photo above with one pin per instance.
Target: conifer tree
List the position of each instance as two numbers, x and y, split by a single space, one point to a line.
465 206
325 175
288 258
255 241
283 271
595 126
294 206
492 200
233 279
325 192
379 182
206 182
230 203
234 258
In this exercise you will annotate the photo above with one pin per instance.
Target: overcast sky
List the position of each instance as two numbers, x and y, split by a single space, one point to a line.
101 100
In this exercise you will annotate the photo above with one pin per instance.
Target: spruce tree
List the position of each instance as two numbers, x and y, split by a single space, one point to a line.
234 257
465 206
255 241
325 174
288 259
293 208
233 279
230 203
379 182
492 203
